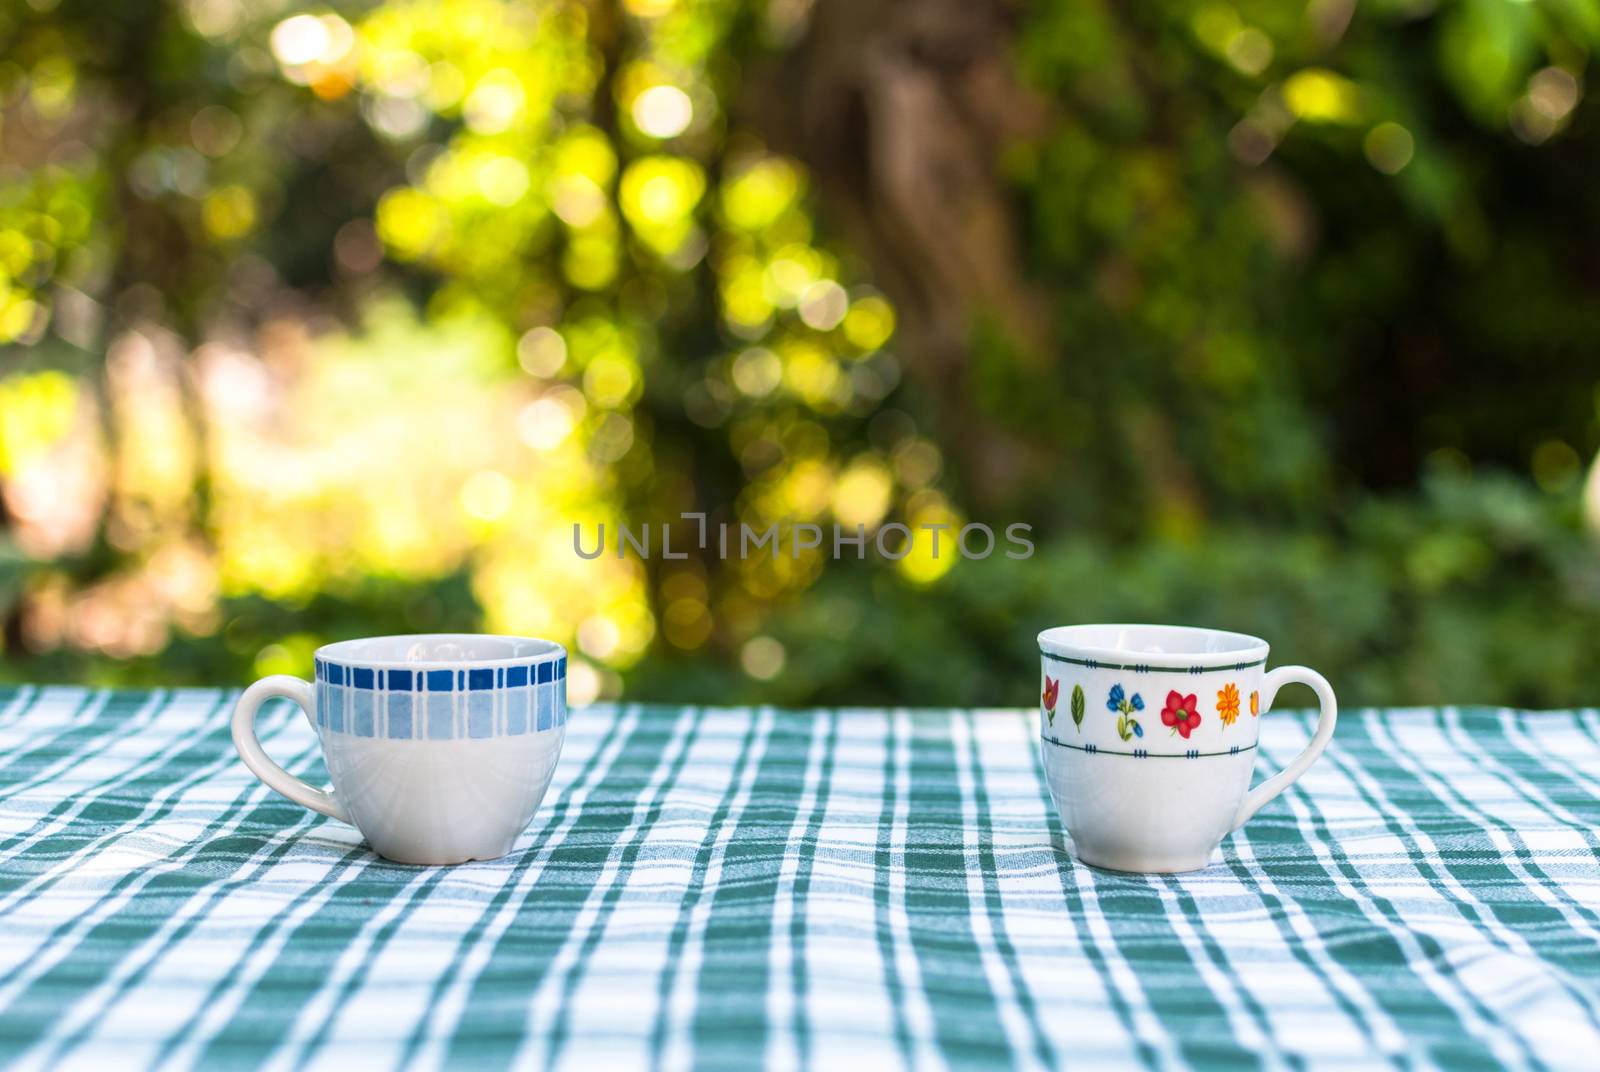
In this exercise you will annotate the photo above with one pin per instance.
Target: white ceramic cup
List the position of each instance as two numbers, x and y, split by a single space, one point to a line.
1149 732
440 746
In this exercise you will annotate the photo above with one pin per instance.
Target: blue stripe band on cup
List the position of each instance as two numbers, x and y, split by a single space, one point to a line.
471 703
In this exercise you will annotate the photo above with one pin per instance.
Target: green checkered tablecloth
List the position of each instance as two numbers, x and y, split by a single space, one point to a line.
829 889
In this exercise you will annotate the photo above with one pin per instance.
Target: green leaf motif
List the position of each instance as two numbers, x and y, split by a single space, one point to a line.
1077 707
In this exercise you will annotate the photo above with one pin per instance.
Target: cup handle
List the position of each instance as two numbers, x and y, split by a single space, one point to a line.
260 764
1274 680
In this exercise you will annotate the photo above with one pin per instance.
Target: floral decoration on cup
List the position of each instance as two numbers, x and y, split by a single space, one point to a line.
1228 703
1123 705
1181 713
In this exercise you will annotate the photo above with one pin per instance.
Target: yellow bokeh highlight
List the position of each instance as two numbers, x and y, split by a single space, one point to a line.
869 323
757 372
658 195
578 200
922 565
742 285
496 102
36 412
17 314
503 180
16 253
584 150
807 490
756 197
686 622
1319 95
591 261
662 111
408 221
229 212
290 655
52 86
862 495
157 457
811 373
487 495
611 381
791 270
1214 25
650 9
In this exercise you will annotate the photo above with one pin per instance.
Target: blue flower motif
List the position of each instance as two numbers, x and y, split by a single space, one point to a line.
1138 730
1120 703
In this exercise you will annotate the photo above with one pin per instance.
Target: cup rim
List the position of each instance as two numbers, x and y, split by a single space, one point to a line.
1188 647
548 651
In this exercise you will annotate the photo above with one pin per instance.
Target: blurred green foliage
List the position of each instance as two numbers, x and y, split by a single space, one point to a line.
1478 589
331 320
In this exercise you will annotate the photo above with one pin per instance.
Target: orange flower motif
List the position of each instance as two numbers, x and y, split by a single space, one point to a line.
1228 703
1255 703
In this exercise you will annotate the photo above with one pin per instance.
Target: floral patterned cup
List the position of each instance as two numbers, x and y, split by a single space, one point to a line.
1148 734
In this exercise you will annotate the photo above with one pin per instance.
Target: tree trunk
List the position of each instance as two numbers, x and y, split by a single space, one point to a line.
901 110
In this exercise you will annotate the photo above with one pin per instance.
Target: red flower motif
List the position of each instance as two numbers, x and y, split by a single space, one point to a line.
1180 714
1052 692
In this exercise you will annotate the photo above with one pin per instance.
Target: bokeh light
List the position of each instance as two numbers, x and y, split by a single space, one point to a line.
663 111
348 322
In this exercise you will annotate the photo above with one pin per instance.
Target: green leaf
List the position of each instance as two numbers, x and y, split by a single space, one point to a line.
1077 705
1487 50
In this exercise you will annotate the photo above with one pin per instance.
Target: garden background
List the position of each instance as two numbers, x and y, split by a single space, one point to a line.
324 321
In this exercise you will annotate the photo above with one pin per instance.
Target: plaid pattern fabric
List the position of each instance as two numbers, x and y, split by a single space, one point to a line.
832 889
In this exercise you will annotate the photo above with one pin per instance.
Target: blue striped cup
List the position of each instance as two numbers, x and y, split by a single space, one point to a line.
440 746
